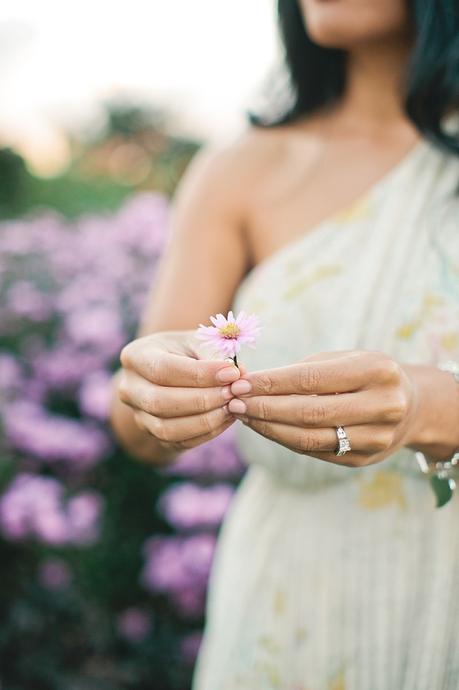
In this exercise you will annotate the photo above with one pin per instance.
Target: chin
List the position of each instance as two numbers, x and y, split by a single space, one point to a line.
347 23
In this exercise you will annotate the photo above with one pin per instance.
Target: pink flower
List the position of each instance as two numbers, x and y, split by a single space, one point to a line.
227 335
134 624
186 505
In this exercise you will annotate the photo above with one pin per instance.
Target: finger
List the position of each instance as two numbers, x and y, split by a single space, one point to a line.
180 429
164 401
363 439
242 368
203 438
319 410
350 372
171 369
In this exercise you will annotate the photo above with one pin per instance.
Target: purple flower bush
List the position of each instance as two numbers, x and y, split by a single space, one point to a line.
34 506
127 548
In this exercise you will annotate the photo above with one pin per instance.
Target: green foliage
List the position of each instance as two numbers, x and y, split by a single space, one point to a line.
65 640
80 189
68 638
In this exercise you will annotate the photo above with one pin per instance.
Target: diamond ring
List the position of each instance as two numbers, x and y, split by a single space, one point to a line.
344 444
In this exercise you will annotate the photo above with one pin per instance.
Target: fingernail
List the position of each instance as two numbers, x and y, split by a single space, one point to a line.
237 406
226 393
240 387
227 375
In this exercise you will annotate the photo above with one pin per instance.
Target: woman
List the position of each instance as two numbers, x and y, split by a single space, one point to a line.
338 225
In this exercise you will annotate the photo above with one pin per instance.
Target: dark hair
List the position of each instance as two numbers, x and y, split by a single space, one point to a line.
317 75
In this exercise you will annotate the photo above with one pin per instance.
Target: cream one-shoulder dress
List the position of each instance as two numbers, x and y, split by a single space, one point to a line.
328 577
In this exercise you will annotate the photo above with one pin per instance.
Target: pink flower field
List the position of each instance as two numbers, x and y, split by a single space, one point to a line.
115 555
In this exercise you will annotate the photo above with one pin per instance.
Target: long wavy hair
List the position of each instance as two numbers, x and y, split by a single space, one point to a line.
316 76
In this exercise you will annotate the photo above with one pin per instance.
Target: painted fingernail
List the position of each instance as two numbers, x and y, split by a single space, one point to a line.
227 375
226 393
237 406
240 387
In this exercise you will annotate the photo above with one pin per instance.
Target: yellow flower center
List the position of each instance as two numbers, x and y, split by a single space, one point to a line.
230 331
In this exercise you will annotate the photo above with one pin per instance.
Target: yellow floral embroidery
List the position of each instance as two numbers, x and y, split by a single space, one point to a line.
320 273
268 644
339 682
407 330
432 300
360 208
262 671
273 676
382 490
300 635
450 341
279 602
256 305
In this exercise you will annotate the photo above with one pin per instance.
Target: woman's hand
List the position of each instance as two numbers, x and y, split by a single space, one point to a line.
298 406
178 397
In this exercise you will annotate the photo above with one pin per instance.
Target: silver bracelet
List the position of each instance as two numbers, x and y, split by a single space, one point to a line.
442 473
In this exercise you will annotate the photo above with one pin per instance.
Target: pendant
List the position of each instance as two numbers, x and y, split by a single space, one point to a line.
443 489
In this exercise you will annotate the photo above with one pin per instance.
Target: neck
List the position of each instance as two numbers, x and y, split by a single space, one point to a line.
374 85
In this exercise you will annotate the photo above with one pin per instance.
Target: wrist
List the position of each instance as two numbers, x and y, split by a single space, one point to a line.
434 429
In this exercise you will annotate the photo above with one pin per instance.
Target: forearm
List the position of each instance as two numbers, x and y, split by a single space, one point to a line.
136 442
435 428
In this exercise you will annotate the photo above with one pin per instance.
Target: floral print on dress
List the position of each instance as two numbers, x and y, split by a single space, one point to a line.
350 575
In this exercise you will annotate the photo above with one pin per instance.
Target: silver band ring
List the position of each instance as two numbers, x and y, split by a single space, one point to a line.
344 445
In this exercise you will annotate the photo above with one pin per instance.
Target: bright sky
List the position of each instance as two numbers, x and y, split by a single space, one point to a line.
59 60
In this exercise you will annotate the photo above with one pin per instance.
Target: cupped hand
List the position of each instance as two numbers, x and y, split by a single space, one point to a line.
178 395
300 405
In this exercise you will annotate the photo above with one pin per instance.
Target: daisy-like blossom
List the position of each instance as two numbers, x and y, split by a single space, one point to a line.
227 335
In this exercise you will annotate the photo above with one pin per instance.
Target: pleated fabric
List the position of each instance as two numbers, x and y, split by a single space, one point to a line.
328 577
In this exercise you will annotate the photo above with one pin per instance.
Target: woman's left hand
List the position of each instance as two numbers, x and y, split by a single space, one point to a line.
298 406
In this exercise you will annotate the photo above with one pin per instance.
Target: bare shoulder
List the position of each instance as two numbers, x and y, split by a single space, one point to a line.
211 233
242 155
235 169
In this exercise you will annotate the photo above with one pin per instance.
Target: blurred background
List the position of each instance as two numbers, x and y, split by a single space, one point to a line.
104 560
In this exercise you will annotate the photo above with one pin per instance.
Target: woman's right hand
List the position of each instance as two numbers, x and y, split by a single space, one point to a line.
178 395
